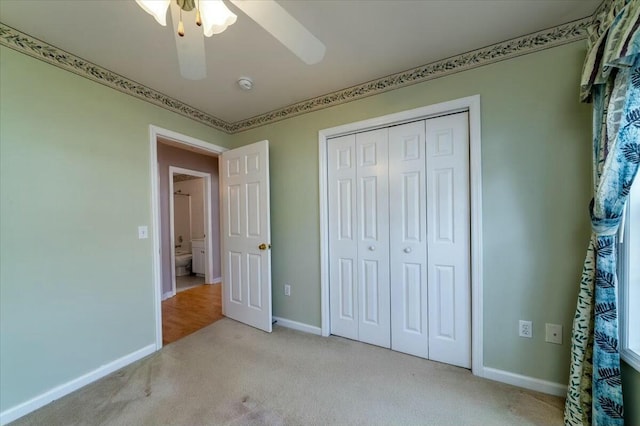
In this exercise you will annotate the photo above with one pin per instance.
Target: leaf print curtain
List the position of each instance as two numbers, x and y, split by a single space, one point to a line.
611 80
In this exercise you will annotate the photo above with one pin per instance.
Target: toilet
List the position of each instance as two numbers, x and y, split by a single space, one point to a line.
183 262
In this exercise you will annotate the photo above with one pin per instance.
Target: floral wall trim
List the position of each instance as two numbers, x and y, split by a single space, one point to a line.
545 39
38 49
530 43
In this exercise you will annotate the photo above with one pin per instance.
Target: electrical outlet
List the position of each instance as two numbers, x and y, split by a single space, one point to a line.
553 333
525 329
287 290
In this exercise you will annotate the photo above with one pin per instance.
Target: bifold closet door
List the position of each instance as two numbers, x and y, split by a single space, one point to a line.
408 239
343 236
399 238
373 237
448 239
359 237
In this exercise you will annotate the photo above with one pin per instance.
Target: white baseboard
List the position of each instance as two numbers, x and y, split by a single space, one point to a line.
216 280
295 325
168 294
526 382
58 392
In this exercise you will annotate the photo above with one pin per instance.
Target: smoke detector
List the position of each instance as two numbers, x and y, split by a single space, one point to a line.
245 83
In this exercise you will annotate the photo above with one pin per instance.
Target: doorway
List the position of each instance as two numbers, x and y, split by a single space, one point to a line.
190 228
184 305
195 298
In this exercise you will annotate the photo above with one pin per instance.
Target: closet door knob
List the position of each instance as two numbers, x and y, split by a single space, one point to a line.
372 248
407 250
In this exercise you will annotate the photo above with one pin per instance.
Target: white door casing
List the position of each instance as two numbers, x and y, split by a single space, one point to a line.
448 236
372 203
245 234
157 134
408 240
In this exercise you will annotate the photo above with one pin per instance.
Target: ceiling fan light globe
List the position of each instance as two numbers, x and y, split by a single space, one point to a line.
216 29
216 17
156 8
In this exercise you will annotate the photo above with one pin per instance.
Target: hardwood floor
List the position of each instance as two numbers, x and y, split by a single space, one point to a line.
190 310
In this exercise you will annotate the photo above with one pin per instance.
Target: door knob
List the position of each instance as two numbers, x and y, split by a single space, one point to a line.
407 250
372 248
264 246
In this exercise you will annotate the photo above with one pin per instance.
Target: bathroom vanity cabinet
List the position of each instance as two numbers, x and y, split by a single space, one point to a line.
199 256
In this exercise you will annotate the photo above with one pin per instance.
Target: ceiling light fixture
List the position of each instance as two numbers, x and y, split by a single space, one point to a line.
212 15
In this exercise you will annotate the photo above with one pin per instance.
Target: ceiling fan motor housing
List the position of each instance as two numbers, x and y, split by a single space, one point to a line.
186 5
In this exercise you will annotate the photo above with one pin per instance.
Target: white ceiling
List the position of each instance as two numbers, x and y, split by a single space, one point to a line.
365 40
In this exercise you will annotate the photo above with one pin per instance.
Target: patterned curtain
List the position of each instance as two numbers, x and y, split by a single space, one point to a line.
611 80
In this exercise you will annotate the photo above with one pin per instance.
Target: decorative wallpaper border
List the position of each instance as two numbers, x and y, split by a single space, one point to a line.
552 37
24 43
545 39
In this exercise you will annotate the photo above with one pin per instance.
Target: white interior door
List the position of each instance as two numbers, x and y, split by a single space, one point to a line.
359 237
448 239
372 194
343 237
246 235
408 244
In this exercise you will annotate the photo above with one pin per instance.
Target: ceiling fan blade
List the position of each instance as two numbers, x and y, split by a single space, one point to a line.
191 56
285 28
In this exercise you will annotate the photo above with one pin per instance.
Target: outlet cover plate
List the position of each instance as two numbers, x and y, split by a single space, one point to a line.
553 333
525 329
143 232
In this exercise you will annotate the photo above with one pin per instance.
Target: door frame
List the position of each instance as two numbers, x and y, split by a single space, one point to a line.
469 104
208 266
180 141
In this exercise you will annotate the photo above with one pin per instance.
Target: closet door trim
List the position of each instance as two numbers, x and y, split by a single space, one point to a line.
470 104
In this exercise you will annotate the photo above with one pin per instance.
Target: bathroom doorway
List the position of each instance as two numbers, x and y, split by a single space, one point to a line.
195 300
190 228
187 235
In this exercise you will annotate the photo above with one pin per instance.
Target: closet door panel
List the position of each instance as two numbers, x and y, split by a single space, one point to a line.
448 230
343 237
408 242
373 237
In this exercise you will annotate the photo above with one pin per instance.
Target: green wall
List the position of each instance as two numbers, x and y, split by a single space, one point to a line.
76 288
536 182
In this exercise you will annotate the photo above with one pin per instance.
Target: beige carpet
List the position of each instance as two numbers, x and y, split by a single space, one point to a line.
231 374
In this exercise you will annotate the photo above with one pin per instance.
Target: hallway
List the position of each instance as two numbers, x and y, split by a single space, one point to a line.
190 310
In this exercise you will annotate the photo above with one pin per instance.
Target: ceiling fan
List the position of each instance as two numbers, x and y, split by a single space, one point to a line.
214 17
